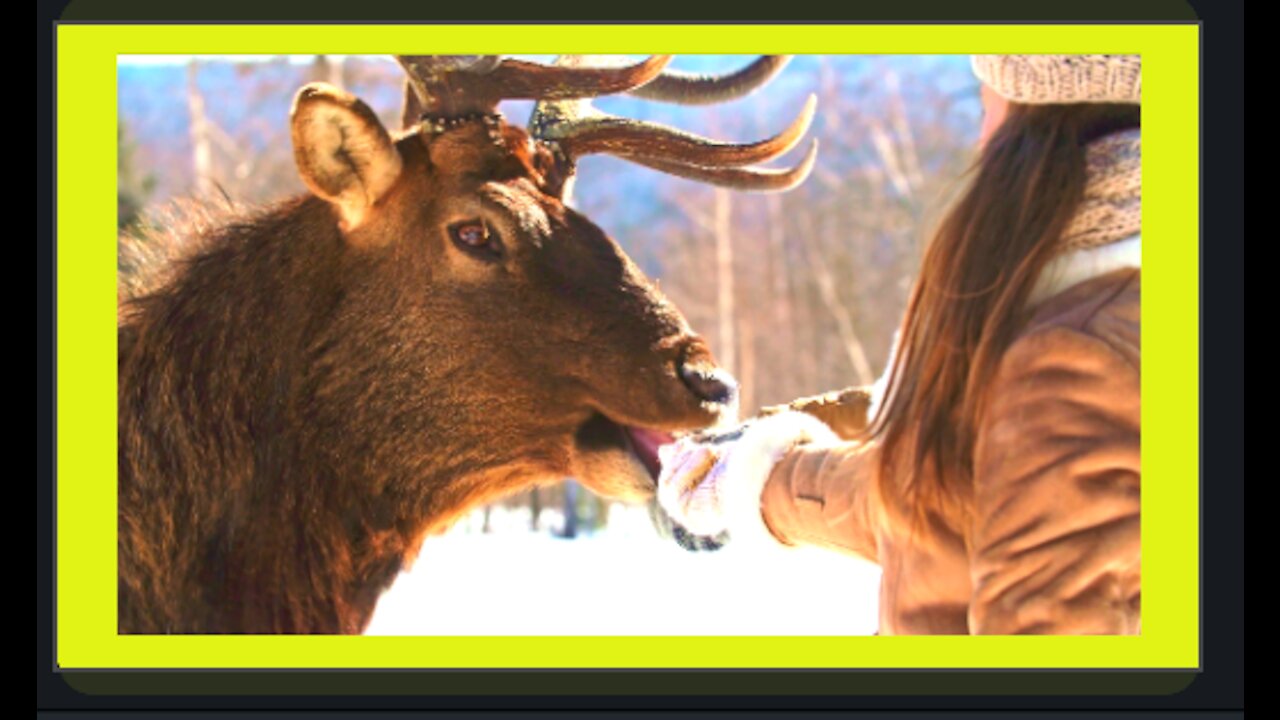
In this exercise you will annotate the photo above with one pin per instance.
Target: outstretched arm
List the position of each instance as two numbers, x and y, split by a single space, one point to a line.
844 411
786 478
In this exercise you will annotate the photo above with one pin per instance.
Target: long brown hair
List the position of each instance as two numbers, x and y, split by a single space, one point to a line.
969 299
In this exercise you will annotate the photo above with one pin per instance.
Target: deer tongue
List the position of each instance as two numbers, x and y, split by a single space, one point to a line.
645 444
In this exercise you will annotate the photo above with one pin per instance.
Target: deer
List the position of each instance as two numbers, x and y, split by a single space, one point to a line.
309 390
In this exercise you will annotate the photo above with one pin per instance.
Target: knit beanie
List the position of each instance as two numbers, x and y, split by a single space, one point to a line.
1042 79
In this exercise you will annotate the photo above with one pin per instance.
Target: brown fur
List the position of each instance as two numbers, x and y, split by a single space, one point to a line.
299 405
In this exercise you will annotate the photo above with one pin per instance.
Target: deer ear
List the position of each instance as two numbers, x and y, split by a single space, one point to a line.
343 152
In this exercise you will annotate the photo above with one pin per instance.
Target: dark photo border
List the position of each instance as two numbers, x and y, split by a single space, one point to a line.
1219 685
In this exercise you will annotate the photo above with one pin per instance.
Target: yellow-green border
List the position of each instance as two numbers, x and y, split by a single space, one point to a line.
86 369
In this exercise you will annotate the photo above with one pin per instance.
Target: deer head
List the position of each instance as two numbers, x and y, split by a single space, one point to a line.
488 296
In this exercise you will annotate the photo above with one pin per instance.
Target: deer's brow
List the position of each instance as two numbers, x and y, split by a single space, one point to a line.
527 213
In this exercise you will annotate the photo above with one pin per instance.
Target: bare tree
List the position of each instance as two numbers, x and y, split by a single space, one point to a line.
725 304
327 68
201 147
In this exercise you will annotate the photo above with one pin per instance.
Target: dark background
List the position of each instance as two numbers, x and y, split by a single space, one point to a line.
1220 685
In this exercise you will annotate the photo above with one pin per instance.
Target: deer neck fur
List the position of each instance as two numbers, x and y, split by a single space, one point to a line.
250 491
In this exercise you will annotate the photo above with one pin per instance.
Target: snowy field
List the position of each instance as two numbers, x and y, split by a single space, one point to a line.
622 581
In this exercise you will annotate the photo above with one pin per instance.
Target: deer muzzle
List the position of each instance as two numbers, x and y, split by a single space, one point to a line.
709 383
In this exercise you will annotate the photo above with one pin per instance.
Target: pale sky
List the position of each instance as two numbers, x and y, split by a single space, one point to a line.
184 59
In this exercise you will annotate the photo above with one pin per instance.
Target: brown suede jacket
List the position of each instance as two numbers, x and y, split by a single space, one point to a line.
1052 542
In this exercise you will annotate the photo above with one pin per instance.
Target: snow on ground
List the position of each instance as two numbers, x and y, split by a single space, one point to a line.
622 581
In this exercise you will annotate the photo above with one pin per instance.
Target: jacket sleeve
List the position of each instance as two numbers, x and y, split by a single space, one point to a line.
824 495
844 411
1055 541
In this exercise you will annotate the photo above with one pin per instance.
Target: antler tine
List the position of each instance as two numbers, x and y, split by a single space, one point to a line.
484 64
530 81
690 89
739 178
454 85
598 132
576 129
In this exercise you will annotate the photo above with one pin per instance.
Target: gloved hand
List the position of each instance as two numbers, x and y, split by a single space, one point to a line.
711 482
670 529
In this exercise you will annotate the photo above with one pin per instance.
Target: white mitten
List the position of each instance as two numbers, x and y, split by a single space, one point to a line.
713 482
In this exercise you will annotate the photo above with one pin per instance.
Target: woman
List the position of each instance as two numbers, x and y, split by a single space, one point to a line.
997 483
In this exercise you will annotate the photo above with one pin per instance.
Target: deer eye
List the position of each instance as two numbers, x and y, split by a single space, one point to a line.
475 238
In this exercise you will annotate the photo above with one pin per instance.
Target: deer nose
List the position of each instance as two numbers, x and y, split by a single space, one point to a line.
709 383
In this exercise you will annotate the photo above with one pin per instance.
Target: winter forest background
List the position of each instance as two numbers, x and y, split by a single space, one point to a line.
798 293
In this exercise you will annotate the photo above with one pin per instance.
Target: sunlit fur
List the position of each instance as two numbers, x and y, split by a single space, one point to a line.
299 406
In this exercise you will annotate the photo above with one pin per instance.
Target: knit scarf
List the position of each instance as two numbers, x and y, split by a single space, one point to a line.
1104 235
1112 205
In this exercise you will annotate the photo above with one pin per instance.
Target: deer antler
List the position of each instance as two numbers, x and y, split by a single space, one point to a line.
459 85
579 129
689 89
